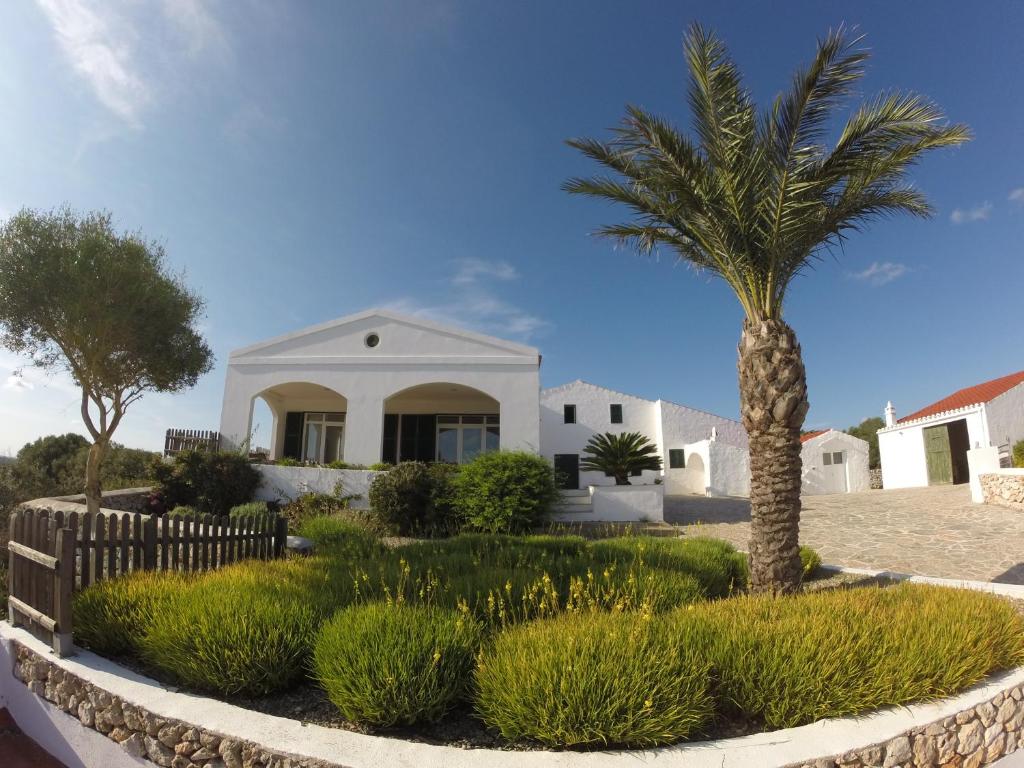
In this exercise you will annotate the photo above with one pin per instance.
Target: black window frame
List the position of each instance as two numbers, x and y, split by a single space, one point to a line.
612 413
568 413
673 454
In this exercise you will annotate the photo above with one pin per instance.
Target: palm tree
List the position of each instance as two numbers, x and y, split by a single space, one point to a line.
619 456
756 199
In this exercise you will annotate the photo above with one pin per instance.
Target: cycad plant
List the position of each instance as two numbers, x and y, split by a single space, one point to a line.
620 455
756 198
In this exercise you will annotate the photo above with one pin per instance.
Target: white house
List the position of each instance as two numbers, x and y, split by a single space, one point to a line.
929 447
701 453
833 462
378 386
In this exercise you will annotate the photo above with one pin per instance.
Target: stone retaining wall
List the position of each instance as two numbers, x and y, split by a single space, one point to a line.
973 737
875 476
123 500
1005 488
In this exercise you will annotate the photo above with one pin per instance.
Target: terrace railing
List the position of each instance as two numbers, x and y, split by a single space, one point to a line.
54 553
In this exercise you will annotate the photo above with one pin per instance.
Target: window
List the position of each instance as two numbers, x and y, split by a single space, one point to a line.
676 458
323 437
462 438
826 459
635 473
569 414
371 340
837 457
616 413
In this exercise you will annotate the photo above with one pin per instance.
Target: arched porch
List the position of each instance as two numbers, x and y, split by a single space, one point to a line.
308 422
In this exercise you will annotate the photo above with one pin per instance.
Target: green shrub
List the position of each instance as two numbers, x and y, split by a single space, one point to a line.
790 661
232 632
386 664
211 482
1018 453
110 616
810 561
310 505
337 464
339 536
183 511
504 492
288 461
257 510
593 679
381 466
413 499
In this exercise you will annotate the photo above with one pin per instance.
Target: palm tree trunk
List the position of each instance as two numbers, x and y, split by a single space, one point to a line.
773 404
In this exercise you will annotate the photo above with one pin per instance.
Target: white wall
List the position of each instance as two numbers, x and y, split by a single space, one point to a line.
901 448
593 416
855 464
730 470
287 483
1006 417
693 478
411 352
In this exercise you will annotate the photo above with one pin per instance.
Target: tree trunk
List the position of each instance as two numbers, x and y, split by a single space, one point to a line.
93 489
773 404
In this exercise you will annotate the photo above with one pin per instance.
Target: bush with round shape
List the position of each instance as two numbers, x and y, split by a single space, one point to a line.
385 663
593 679
212 482
412 499
110 616
810 562
505 492
793 660
232 632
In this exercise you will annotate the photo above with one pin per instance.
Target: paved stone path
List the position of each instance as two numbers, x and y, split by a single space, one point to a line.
927 531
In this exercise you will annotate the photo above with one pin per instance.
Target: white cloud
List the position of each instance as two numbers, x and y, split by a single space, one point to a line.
98 43
882 272
967 215
472 271
126 53
1017 195
18 383
481 309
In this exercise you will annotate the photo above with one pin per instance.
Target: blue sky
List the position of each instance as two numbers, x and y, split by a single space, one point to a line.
302 161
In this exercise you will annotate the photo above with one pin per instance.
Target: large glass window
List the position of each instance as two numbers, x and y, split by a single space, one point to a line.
323 437
461 438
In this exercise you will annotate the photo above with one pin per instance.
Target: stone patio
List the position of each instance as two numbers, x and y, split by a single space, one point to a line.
933 531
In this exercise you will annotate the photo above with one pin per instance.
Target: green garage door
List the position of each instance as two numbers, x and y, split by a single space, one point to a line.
936 452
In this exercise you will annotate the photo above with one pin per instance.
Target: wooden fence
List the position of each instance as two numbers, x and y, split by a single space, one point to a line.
177 440
53 554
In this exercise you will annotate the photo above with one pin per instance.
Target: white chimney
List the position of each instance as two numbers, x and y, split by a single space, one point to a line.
890 415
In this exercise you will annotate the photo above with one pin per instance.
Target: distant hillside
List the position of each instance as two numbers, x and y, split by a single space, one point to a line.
7 460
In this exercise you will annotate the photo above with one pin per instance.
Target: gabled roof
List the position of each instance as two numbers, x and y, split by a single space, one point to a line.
976 395
811 435
397 317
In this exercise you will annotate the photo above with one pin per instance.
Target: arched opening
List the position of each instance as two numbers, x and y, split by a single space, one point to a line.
440 421
307 422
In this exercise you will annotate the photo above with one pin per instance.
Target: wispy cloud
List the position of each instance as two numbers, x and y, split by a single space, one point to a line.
99 46
482 309
1017 195
882 272
967 215
472 271
125 52
18 384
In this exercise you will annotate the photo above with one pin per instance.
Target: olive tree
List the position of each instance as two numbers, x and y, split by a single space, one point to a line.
78 296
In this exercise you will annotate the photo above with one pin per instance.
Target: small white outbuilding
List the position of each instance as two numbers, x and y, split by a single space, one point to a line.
833 462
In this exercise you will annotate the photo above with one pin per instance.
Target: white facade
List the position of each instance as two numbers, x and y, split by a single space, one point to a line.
996 422
378 368
834 462
714 449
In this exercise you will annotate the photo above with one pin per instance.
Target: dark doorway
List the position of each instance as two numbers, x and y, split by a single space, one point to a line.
567 471
946 447
959 444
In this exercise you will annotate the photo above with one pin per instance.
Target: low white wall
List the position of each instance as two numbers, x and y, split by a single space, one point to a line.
729 470
286 483
981 461
628 503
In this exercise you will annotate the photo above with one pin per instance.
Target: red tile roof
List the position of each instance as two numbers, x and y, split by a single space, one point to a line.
811 435
979 393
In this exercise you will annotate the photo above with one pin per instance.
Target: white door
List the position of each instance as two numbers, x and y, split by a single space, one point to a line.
833 472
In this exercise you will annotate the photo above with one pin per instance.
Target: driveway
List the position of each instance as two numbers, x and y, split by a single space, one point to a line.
927 531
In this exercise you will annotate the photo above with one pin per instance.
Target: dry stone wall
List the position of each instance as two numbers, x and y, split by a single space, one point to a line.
1005 489
971 738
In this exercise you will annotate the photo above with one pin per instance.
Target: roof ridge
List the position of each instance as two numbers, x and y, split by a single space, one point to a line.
967 397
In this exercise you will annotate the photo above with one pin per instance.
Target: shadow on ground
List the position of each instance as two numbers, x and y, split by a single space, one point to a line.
691 510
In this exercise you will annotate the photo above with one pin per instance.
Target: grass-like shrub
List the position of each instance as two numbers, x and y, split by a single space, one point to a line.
593 679
414 499
183 510
387 663
235 631
250 509
338 536
111 616
810 561
504 492
794 660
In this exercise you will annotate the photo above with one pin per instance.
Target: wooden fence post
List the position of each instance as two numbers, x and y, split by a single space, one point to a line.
149 544
280 535
63 585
